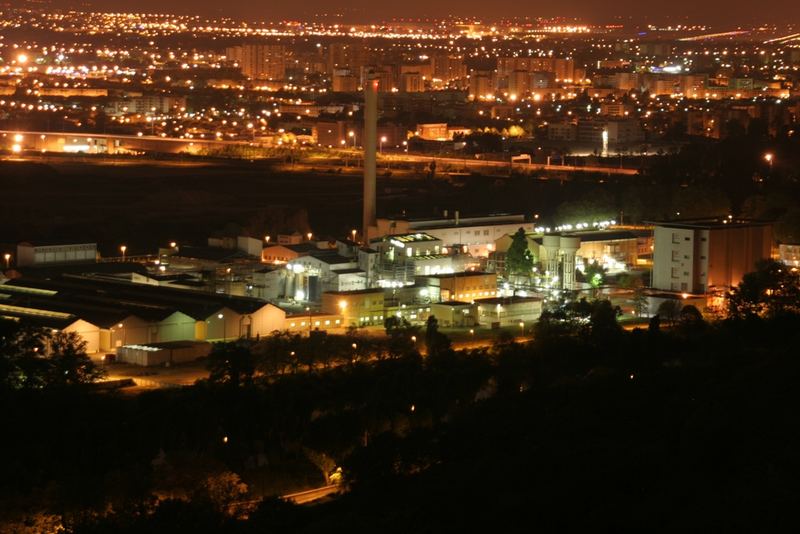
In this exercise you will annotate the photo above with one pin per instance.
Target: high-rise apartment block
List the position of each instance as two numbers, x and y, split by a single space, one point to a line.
260 61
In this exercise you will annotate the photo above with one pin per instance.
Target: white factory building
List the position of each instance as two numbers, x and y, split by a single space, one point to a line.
476 235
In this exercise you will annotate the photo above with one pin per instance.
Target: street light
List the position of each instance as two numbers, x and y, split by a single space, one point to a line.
122 249
7 257
266 239
352 134
768 157
383 140
308 235
353 233
522 328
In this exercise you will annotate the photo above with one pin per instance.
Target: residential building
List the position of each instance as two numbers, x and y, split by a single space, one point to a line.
700 256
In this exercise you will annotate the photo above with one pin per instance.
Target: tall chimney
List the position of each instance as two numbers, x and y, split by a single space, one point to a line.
370 151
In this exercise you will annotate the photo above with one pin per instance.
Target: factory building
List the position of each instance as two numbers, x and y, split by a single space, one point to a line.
475 235
109 314
46 253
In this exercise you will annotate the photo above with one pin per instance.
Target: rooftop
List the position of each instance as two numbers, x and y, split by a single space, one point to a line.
463 274
104 302
711 223
417 237
504 301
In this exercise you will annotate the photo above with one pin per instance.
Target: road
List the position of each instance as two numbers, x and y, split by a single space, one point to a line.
304 497
36 142
471 163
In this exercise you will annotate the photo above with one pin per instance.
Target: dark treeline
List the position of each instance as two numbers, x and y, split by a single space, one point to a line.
691 427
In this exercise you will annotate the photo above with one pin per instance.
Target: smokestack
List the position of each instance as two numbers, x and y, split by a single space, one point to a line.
370 151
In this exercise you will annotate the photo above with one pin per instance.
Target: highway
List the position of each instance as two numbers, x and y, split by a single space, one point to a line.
37 142
471 163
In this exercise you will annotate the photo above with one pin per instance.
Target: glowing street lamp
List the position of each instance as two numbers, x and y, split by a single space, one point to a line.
352 134
7 257
308 235
22 59
383 140
769 157
266 239
353 233
123 249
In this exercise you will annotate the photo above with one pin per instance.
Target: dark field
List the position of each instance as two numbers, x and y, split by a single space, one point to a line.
146 204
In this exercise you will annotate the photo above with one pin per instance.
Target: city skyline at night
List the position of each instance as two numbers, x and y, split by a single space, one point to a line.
451 267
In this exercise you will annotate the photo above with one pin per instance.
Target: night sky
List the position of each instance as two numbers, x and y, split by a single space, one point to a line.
718 12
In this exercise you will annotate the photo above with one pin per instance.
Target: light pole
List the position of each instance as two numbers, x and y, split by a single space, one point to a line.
768 157
308 309
383 140
7 257
353 233
352 134
122 249
522 328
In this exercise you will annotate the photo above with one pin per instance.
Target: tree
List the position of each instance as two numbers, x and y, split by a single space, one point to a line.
519 259
594 274
231 363
68 362
22 356
670 309
435 341
277 352
322 461
223 490
690 320
638 298
603 321
772 289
